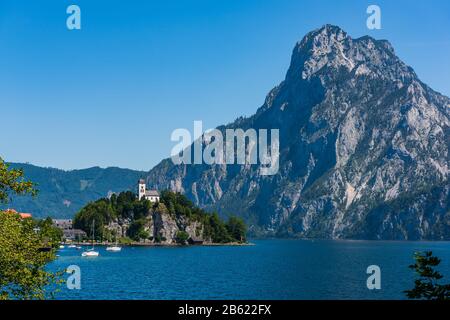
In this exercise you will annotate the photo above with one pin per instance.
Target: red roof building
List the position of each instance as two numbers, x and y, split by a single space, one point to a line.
22 215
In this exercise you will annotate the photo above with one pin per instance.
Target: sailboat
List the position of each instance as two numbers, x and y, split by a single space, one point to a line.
114 248
91 252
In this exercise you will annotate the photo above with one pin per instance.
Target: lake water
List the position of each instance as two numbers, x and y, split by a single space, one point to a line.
271 269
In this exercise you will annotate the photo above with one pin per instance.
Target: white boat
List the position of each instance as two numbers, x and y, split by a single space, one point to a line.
91 252
72 246
61 247
114 248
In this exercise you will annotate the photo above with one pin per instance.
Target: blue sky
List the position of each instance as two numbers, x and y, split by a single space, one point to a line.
111 93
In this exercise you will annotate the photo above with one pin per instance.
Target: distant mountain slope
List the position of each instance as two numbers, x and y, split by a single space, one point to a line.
63 193
364 150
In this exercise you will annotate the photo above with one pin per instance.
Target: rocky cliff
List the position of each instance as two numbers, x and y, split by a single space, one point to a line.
363 150
162 227
173 219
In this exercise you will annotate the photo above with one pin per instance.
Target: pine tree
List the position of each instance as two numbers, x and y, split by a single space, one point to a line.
427 286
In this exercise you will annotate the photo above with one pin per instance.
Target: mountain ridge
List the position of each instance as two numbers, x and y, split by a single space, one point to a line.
358 131
63 192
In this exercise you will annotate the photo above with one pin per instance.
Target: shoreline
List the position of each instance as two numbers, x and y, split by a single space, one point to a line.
143 244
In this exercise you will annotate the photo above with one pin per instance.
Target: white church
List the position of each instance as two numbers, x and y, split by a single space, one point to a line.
151 195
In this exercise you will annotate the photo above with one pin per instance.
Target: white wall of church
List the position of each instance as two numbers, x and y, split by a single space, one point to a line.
141 190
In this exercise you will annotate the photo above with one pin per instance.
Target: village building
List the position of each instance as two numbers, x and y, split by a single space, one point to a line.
69 232
150 195
63 224
22 215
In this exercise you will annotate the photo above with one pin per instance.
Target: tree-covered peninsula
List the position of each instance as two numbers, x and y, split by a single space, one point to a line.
174 219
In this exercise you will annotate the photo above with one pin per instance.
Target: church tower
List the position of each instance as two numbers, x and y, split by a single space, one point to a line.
141 188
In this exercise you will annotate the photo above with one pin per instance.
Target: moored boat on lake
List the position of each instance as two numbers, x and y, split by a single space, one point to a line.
91 252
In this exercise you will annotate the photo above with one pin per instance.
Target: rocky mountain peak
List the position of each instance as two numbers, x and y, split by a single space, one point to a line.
364 149
322 38
330 49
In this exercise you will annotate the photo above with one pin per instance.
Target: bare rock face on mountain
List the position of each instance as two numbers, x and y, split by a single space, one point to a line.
364 150
162 227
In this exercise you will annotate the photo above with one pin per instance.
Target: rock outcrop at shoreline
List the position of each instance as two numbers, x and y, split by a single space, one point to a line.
162 227
173 220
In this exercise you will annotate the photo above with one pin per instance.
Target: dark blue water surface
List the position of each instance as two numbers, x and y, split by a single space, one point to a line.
270 269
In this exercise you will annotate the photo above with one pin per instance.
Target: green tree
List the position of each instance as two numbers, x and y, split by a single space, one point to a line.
22 258
181 237
101 211
51 235
219 232
427 286
237 229
12 181
136 231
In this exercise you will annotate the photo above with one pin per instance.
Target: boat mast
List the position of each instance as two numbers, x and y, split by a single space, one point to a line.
93 233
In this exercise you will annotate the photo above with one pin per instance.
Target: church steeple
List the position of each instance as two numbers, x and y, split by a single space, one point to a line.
141 188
